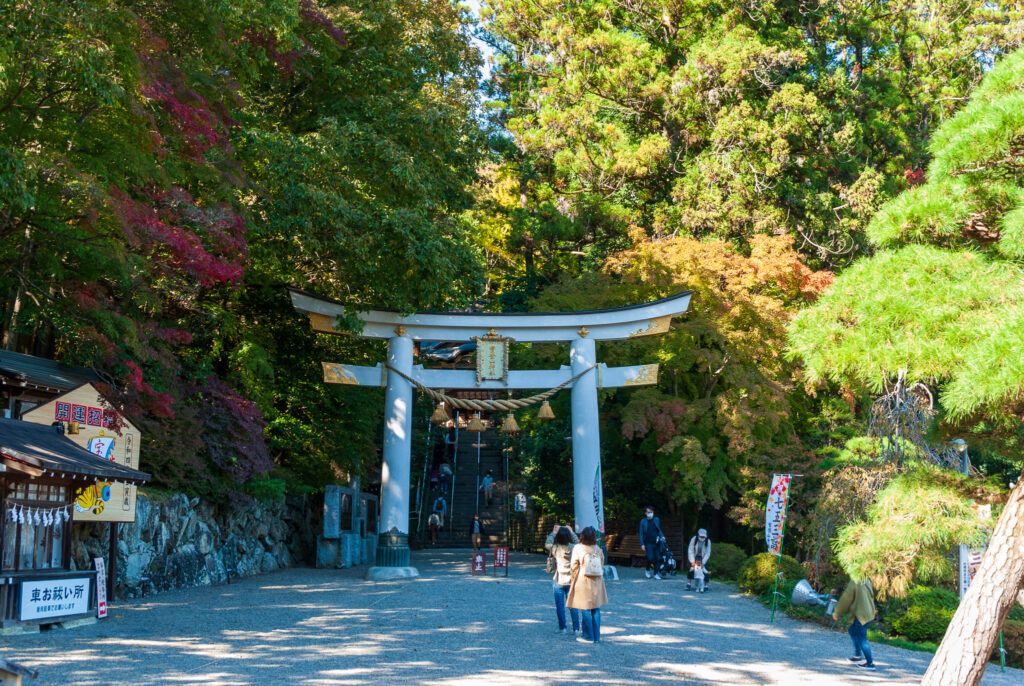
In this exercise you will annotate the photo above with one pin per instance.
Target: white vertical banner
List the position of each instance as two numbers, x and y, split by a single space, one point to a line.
970 558
775 512
101 587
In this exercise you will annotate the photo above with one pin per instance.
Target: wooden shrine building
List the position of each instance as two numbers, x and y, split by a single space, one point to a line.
66 455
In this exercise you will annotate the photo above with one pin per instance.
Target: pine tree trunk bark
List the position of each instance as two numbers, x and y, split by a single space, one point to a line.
974 632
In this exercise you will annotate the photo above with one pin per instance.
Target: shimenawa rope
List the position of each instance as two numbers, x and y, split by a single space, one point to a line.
488 405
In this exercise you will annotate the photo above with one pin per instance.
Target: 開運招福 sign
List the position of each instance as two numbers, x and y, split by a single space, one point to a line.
105 433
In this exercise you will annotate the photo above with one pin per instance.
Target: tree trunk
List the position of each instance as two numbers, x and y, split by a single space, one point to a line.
10 338
974 632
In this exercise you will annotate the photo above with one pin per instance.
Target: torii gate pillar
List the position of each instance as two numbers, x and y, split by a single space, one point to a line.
393 549
588 501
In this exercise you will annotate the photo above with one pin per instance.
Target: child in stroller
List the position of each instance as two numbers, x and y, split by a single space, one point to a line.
664 562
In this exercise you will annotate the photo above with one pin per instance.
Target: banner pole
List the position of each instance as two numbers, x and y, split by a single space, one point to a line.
782 536
1002 654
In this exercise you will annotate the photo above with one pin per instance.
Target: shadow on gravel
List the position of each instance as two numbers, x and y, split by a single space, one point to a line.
331 627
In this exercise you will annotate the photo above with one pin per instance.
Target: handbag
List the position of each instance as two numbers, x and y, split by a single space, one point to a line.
551 567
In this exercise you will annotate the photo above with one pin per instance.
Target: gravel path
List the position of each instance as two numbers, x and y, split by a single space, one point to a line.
329 627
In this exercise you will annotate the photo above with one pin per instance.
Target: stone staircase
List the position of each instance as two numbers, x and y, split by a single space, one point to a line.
466 500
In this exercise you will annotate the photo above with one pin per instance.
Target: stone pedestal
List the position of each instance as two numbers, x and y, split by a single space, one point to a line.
393 558
350 550
369 550
328 554
391 573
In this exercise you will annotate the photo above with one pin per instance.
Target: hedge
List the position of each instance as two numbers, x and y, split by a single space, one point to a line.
924 614
726 560
757 573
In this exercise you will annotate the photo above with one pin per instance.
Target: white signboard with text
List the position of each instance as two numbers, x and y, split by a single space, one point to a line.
54 598
970 558
101 587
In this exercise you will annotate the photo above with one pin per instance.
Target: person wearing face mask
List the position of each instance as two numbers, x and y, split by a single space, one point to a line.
700 549
650 536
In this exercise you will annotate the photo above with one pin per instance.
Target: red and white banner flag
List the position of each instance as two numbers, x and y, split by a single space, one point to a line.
775 513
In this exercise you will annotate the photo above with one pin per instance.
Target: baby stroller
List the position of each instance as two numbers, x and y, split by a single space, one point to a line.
664 561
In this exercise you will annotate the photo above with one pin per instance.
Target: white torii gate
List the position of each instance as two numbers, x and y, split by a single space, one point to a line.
580 329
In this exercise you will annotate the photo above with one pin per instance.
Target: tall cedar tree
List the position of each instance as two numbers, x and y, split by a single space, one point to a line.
716 119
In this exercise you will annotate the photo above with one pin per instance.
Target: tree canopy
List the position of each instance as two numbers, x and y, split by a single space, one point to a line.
722 119
166 168
943 297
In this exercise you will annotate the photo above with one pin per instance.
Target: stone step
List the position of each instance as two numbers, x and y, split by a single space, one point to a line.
464 495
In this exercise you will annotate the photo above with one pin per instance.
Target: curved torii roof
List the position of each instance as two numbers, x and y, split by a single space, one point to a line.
633 321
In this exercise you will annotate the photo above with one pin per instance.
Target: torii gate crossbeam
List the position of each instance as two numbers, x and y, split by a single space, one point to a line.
580 329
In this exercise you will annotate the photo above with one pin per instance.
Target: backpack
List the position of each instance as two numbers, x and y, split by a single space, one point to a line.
592 566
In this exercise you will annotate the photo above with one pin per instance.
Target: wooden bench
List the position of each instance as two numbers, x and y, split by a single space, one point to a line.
624 543
626 548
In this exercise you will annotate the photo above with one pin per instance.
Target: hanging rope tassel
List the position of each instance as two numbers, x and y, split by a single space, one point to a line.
510 426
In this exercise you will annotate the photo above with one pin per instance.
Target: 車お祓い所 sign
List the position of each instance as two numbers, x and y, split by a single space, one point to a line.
54 598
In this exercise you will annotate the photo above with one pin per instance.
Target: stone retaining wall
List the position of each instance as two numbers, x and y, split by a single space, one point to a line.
179 542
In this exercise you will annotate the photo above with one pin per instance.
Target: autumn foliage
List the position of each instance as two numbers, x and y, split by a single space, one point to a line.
166 169
721 416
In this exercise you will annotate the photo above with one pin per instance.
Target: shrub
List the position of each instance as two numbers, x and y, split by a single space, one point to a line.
924 614
726 560
267 488
1013 642
757 574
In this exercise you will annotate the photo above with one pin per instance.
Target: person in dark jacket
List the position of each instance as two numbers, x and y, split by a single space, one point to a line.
650 536
444 475
476 531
